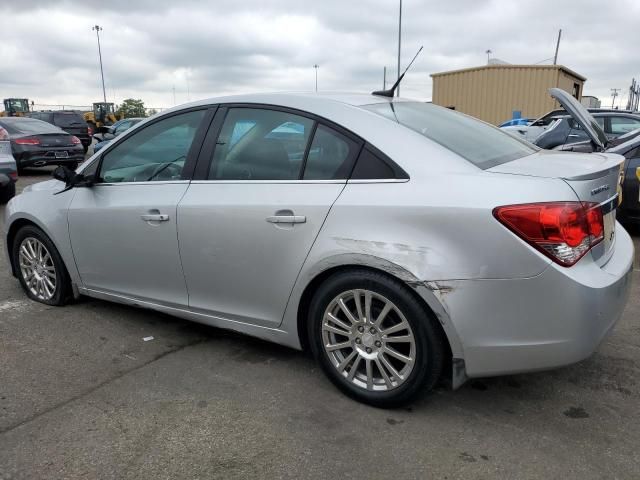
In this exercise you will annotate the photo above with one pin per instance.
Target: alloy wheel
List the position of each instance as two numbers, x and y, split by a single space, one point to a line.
368 340
37 268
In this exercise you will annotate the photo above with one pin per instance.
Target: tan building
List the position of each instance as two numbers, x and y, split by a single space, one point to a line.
494 92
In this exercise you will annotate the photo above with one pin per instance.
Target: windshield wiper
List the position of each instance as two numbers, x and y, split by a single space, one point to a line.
163 168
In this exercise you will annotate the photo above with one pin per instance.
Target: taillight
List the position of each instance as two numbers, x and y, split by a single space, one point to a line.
14 176
90 131
27 141
564 231
75 140
3 134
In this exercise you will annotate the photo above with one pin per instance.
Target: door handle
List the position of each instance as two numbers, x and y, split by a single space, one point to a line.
155 217
287 219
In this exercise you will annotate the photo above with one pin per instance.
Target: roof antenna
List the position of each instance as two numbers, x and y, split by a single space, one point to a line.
391 91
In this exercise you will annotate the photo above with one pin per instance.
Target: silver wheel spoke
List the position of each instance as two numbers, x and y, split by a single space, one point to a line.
396 328
395 354
354 368
369 374
346 361
335 320
383 372
389 367
383 314
399 339
347 312
356 298
338 346
335 330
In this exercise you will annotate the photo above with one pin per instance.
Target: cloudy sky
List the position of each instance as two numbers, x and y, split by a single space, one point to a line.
48 51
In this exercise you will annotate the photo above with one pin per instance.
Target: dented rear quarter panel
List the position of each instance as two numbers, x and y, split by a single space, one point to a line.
430 232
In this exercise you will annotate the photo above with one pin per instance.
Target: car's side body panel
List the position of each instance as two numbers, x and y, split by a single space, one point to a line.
237 262
117 250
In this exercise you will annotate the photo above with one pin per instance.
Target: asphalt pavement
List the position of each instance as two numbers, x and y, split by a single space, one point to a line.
84 396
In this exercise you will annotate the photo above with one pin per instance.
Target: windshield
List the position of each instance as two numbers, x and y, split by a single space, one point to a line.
68 119
480 143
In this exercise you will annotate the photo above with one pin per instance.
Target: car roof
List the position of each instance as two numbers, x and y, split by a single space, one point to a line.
345 110
285 98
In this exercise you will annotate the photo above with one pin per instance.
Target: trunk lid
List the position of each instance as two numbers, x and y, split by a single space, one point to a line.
582 116
594 177
55 140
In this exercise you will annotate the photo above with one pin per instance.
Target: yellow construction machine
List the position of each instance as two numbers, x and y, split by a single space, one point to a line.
15 107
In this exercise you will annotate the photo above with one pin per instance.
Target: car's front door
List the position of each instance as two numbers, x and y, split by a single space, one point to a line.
247 224
123 229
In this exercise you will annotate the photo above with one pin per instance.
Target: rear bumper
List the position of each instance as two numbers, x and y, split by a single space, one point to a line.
29 156
554 319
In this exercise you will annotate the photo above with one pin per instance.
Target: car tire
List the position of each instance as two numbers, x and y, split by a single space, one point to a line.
357 358
8 192
72 166
40 262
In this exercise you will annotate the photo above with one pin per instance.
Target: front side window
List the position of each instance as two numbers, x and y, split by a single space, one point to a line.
155 153
481 144
260 144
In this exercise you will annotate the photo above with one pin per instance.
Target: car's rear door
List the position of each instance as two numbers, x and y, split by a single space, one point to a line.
264 184
123 230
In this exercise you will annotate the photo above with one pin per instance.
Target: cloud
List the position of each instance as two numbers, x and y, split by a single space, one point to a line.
48 51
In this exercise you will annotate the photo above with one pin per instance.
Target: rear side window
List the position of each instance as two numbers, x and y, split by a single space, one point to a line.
260 144
330 156
31 126
481 144
374 165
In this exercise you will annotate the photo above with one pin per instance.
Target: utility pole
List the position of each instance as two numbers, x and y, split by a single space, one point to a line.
555 57
399 42
316 66
98 28
614 94
488 52
384 78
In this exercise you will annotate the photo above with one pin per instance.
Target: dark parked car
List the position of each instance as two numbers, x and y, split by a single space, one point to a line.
35 143
627 145
113 131
70 121
565 129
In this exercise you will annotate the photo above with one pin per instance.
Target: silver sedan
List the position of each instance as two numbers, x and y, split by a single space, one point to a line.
400 242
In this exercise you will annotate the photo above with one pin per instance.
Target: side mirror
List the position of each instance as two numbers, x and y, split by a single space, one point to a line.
72 179
64 174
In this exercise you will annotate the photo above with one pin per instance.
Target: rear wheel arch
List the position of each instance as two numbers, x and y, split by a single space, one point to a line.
312 286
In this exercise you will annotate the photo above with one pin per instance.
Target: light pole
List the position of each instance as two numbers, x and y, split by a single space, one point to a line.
488 52
98 28
316 66
399 42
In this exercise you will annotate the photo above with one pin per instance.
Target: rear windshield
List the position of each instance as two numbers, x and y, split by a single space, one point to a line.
68 120
480 143
28 126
